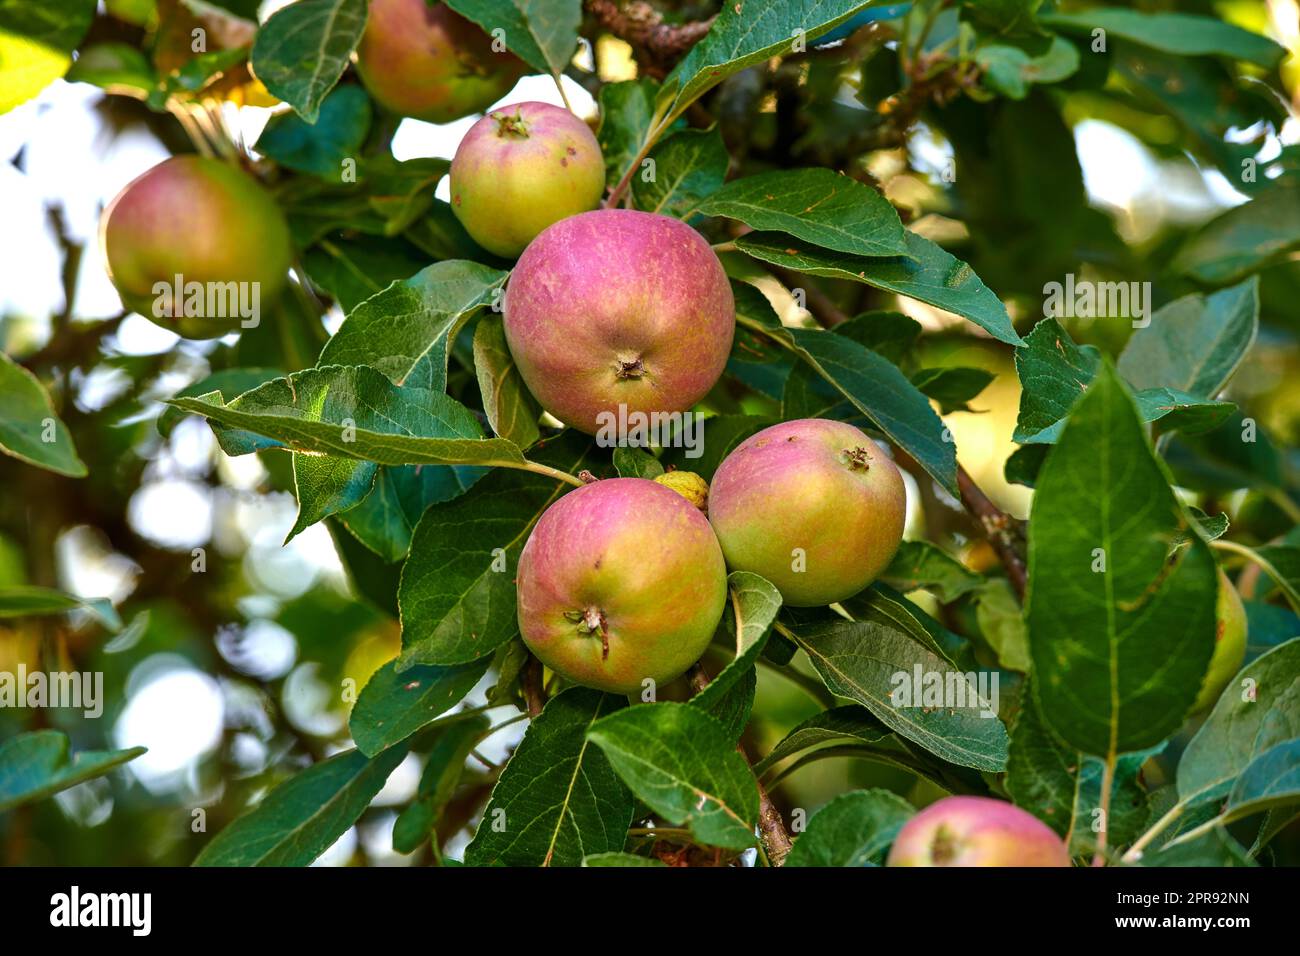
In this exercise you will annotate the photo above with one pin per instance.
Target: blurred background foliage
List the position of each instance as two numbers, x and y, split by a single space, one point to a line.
1021 149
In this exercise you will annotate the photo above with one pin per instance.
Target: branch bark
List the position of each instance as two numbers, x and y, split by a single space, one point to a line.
657 45
531 685
771 828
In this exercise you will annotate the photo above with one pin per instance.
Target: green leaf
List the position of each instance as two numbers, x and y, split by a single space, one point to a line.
325 485
1009 70
1245 238
302 50
393 706
30 600
558 800
873 384
1002 623
457 595
926 273
1062 787
680 762
510 408
442 772
689 166
1259 709
1180 33
1119 649
819 206
354 269
865 660
1269 781
1215 849
1195 343
355 413
751 610
882 604
406 330
952 387
542 33
320 148
851 723
29 429
386 518
230 383
920 564
746 33
36 765
620 859
117 68
854 829
36 44
636 463
1053 373
626 111
302 817
1025 463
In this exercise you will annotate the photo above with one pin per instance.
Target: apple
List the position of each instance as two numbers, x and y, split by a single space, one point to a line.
618 308
689 485
813 505
196 224
521 168
976 831
620 581
421 59
1229 645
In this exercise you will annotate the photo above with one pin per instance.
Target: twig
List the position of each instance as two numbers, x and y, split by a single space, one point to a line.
1001 529
1107 784
534 696
771 828
658 45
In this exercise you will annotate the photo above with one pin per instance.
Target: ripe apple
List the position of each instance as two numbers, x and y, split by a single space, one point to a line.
1229 645
420 59
976 831
617 307
206 222
813 505
621 580
521 168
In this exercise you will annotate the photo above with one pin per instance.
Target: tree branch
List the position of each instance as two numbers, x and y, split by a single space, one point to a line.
657 45
534 695
771 828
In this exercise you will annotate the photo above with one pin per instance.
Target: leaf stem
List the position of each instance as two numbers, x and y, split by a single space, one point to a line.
1107 784
540 469
1135 851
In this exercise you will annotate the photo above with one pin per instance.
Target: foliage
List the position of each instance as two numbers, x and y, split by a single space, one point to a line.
1141 365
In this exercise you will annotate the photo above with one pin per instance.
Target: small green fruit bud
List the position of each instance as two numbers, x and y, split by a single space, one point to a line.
689 485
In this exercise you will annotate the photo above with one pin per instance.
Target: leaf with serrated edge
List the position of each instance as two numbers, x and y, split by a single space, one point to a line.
35 765
678 760
558 800
301 51
859 660
1118 652
854 829
302 817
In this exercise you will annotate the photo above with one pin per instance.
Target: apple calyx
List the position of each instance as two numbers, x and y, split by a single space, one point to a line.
511 125
858 458
591 620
